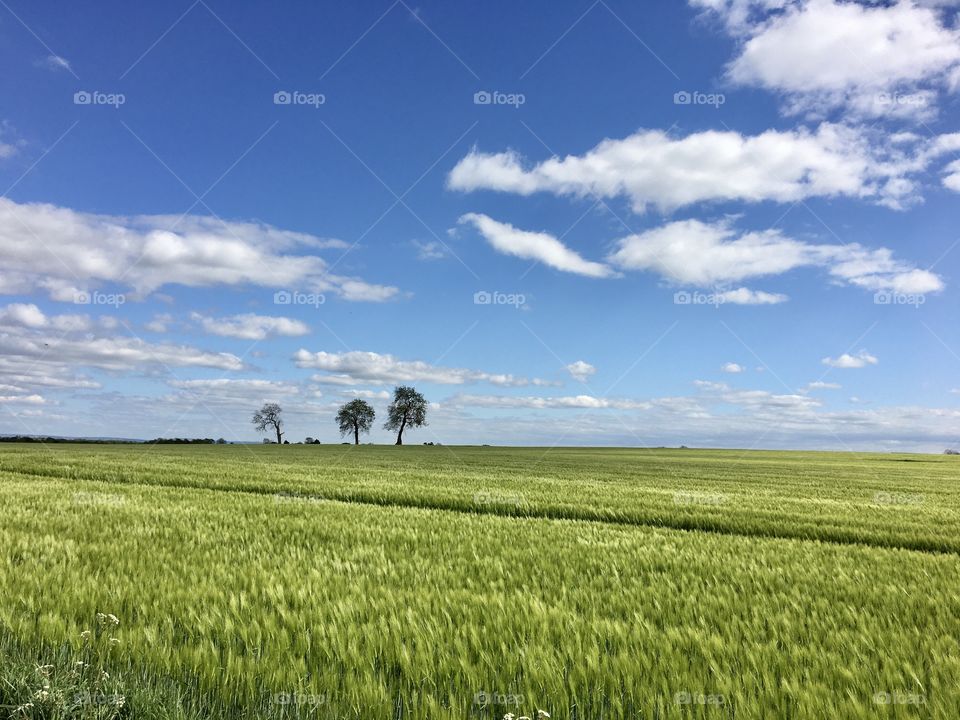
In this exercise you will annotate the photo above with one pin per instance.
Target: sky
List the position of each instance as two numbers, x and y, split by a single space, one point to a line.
724 223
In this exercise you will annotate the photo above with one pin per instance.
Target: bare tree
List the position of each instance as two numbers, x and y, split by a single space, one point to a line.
356 416
268 418
408 409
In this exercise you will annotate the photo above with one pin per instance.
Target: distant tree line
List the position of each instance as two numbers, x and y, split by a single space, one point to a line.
186 441
51 440
407 411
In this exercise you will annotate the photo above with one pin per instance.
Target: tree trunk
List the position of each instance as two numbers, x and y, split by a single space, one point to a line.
356 434
403 424
279 436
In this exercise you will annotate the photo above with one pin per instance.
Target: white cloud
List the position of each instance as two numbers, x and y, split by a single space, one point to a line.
868 60
357 367
821 385
251 327
24 375
160 323
71 323
568 402
951 177
22 400
366 394
431 250
55 63
63 341
711 254
581 370
116 353
64 251
651 167
507 239
848 361
9 148
746 296
239 388
732 367
759 402
27 315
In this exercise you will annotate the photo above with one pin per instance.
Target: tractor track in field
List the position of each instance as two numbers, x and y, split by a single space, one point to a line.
553 514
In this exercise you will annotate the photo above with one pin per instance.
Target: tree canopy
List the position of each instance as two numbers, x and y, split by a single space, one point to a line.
269 418
408 409
356 416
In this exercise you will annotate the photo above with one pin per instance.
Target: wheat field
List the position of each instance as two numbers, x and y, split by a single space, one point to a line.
476 582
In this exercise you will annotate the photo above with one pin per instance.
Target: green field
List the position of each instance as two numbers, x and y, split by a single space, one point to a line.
452 582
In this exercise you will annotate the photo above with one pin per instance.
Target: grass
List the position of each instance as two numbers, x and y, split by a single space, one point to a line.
381 582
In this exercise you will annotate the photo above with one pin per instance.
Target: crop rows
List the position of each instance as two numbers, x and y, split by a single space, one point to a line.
882 500
236 598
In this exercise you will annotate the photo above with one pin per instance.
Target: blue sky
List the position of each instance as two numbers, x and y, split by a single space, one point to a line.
788 167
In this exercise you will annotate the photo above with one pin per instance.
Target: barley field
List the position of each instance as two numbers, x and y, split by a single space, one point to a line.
476 582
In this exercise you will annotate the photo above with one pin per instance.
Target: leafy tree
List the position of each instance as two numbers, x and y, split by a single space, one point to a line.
408 409
268 417
356 416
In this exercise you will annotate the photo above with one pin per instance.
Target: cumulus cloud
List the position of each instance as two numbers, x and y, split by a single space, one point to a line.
732 367
65 252
27 315
864 59
710 254
652 167
250 326
357 367
26 332
581 370
848 361
539 246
